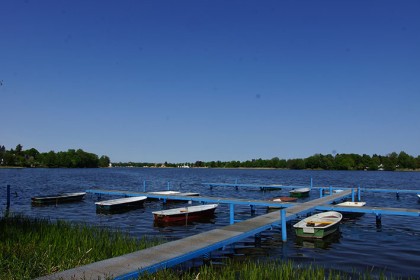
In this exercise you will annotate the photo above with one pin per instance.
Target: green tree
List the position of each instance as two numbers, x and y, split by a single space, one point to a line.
296 163
344 162
406 161
18 149
104 161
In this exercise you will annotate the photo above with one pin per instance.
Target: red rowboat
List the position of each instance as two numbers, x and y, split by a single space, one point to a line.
282 199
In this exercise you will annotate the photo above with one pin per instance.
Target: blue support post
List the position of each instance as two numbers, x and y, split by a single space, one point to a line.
359 195
232 213
257 238
206 258
144 185
283 225
311 183
352 194
321 192
378 220
168 185
8 197
331 192
252 209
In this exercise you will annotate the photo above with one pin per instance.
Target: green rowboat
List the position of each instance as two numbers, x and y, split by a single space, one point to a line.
301 192
319 225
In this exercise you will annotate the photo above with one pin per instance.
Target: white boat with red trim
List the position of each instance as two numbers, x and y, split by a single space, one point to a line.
185 214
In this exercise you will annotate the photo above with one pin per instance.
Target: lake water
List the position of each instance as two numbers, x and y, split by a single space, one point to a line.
393 248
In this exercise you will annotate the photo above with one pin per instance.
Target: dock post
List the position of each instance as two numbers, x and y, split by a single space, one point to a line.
8 197
378 220
206 258
252 209
144 185
331 192
168 185
232 213
257 238
236 184
398 195
359 195
311 183
352 194
283 225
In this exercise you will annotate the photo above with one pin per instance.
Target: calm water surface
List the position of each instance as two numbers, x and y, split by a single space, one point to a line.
393 248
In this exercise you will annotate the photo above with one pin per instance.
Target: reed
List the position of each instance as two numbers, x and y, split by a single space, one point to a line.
251 270
32 247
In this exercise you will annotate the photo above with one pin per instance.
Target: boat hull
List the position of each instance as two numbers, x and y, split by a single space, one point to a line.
172 193
350 214
299 192
317 232
120 205
185 215
59 198
282 199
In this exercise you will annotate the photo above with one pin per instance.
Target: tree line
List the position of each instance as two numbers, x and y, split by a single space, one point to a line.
19 157
389 162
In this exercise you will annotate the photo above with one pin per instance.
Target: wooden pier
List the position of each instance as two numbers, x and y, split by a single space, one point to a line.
132 265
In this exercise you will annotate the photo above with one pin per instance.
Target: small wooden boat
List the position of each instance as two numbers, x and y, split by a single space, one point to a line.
185 214
58 198
301 192
350 214
318 225
352 204
282 199
165 192
327 191
271 188
120 203
172 193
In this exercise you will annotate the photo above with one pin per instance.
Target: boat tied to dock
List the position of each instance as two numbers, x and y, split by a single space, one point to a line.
318 225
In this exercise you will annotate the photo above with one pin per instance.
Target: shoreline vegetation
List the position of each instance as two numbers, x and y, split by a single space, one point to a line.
32 158
33 247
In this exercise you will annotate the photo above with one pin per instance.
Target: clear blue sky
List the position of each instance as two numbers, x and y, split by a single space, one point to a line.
180 81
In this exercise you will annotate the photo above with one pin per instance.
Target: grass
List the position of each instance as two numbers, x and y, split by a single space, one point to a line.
30 248
252 270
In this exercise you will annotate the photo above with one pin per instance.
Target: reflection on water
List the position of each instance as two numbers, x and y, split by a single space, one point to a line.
121 210
324 243
186 222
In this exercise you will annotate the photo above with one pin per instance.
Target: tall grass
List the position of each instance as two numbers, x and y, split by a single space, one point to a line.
31 247
251 270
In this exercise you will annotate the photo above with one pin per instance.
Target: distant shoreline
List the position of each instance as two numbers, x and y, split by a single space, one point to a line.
230 168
